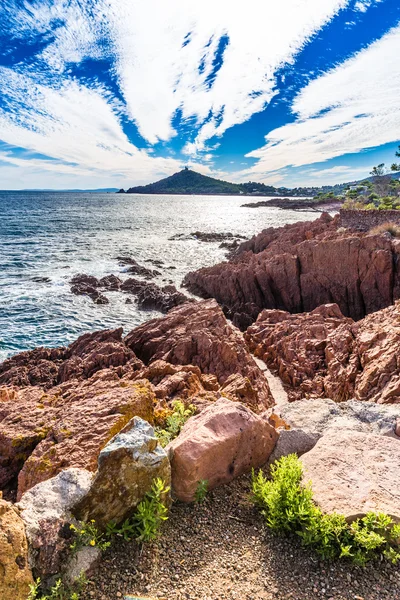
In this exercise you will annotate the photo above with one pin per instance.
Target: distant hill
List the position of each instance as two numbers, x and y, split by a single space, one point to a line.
188 182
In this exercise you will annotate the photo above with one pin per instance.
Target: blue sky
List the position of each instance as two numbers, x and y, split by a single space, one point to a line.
112 93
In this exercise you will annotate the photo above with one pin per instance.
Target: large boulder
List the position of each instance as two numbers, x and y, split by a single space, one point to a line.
15 573
224 441
127 467
353 473
304 422
72 424
46 512
199 334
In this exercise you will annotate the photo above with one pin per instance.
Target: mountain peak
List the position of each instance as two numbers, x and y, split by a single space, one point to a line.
188 181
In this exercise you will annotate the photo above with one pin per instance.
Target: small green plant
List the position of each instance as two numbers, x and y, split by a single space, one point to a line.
174 422
87 534
151 512
287 506
59 591
201 490
126 530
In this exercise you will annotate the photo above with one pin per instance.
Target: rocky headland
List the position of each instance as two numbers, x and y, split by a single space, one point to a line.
80 425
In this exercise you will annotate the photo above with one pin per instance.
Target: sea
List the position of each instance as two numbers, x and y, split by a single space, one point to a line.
48 237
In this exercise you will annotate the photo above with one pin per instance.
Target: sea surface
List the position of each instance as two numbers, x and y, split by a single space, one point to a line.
48 237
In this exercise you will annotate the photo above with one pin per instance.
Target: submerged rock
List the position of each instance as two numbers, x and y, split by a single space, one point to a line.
200 335
127 467
226 440
15 573
353 473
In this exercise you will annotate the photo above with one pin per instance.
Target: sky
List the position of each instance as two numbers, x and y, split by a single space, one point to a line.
115 93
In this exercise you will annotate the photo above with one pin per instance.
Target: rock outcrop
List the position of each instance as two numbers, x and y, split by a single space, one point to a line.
127 467
15 573
226 440
43 433
46 512
199 335
46 367
153 297
59 407
323 354
353 473
294 346
299 267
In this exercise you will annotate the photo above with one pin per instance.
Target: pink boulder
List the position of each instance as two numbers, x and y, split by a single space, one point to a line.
224 441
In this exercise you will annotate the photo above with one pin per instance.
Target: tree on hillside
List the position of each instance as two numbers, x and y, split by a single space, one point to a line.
381 180
396 166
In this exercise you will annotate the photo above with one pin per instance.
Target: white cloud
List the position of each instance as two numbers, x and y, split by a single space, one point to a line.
158 75
75 125
353 107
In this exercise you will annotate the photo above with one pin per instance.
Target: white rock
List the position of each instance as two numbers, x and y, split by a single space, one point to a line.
45 510
353 473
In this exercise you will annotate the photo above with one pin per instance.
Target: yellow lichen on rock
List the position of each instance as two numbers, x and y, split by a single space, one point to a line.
15 574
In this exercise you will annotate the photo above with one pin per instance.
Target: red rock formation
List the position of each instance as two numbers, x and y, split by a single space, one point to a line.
325 354
199 335
363 359
294 345
59 407
300 267
46 432
47 367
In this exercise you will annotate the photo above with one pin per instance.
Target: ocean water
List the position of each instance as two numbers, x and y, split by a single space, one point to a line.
46 238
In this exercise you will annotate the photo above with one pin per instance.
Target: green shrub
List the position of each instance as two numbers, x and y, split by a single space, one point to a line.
174 422
201 490
287 506
145 524
152 512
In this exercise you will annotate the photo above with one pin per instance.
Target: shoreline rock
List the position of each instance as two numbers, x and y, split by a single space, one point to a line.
199 335
299 267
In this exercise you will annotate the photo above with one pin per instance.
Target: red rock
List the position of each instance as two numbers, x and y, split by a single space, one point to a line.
199 335
226 440
294 346
323 354
299 267
85 416
362 359
47 367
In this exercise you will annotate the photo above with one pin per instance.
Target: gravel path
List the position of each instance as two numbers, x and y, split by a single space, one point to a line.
221 550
